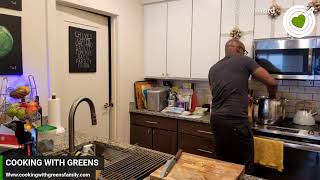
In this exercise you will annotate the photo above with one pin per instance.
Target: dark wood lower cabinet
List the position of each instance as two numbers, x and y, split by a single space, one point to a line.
196 145
165 141
141 136
169 134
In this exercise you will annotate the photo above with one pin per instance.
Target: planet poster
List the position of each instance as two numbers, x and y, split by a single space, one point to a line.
11 4
10 45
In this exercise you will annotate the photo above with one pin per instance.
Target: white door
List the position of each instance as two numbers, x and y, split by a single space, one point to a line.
179 38
94 85
205 37
155 39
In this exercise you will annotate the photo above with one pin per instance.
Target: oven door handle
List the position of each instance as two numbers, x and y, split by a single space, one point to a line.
297 145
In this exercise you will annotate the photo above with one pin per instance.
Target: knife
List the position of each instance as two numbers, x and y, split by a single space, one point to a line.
169 164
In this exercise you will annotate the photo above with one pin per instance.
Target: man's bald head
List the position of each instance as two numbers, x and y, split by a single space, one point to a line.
234 47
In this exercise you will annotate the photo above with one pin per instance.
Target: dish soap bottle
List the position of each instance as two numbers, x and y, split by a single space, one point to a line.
87 150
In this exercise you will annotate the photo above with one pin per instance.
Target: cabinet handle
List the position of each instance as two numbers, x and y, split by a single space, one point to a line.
149 131
162 74
205 151
151 122
204 132
167 74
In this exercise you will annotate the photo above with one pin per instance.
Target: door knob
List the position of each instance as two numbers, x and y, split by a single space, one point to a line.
107 105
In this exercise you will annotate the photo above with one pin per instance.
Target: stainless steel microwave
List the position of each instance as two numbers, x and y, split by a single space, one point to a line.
289 58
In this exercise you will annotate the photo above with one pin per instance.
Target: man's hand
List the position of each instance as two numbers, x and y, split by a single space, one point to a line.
262 75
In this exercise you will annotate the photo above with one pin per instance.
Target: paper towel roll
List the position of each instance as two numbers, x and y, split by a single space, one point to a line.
54 111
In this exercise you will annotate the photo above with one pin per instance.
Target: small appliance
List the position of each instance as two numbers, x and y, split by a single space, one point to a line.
157 99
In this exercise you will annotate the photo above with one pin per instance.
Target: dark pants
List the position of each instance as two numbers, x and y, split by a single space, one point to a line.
233 139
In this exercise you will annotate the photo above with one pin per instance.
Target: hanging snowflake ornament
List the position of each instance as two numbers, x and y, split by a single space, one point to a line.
236 33
316 5
274 11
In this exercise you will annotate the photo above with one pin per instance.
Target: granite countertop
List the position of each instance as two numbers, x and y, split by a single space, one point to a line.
244 177
61 143
203 119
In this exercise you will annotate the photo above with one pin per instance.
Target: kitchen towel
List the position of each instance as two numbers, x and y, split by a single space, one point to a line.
54 113
269 153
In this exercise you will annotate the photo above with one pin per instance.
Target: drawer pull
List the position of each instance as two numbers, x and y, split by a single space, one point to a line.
204 132
151 122
205 151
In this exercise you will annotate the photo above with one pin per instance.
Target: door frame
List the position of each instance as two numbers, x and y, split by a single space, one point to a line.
51 42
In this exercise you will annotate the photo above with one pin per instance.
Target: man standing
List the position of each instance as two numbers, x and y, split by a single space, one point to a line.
228 81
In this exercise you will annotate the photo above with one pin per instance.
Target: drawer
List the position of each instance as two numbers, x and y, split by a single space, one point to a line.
196 145
194 128
154 121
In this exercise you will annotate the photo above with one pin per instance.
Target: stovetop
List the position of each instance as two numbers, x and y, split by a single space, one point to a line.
286 129
288 123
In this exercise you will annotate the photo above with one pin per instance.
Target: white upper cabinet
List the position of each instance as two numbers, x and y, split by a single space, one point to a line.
155 38
237 13
179 38
205 37
316 31
266 27
318 25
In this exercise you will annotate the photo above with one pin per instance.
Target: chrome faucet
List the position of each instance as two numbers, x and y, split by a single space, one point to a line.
71 119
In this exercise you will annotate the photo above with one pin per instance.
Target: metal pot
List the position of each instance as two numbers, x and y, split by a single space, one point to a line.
270 111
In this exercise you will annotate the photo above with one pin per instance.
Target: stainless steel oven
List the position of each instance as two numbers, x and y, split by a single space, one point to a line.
289 58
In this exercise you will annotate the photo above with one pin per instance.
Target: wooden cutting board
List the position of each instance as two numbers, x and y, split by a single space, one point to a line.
193 167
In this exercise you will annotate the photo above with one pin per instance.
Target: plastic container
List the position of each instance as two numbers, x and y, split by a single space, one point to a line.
172 99
87 150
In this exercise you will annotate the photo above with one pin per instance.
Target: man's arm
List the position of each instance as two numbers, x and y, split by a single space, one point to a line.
262 75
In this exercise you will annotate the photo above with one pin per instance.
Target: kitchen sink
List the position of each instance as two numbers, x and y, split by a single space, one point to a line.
109 152
129 163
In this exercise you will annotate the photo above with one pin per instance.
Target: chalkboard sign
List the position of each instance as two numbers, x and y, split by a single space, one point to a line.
82 50
10 45
11 4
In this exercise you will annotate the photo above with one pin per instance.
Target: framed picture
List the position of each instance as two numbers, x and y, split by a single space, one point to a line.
11 4
82 50
10 45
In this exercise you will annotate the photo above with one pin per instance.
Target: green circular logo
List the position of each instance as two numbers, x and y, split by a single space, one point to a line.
6 41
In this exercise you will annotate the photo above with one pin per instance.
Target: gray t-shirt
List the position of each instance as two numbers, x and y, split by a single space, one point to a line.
228 81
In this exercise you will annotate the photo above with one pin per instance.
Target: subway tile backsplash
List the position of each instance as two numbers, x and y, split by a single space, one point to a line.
294 91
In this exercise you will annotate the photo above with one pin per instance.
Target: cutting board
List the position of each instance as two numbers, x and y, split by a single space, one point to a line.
194 167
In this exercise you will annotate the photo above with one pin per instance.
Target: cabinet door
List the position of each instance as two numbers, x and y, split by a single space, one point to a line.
165 141
205 36
316 29
155 39
317 25
179 38
237 13
141 136
266 27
